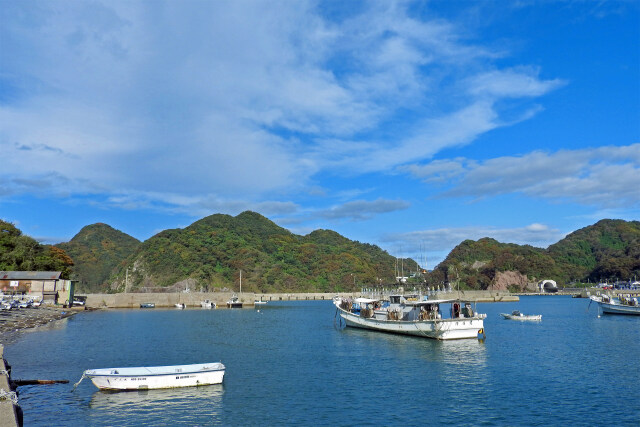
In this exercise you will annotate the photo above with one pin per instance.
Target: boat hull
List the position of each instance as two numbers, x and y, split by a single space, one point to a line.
442 329
522 318
619 309
157 377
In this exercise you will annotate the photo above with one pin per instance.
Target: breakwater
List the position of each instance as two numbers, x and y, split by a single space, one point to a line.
193 299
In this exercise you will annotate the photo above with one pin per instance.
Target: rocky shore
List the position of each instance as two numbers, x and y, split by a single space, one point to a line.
14 321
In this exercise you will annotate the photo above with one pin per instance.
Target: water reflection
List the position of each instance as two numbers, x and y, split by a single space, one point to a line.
188 405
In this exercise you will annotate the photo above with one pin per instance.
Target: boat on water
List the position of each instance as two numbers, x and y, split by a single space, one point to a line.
259 302
234 302
148 305
516 315
207 304
154 377
621 305
409 315
181 305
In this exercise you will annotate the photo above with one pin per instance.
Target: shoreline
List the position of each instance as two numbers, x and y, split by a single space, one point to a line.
14 322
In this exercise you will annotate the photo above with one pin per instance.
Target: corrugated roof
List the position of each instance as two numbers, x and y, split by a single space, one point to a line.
30 275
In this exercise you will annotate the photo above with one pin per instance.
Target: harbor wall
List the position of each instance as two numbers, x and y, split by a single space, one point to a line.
193 299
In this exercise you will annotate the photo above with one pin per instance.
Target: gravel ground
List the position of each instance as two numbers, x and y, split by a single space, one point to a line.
17 320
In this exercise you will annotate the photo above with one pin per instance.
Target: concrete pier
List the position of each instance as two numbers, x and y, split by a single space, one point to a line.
10 412
193 299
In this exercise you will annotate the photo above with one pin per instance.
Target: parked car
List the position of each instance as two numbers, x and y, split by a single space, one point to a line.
25 304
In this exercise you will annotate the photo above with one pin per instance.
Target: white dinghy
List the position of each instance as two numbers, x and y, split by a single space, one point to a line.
516 315
153 377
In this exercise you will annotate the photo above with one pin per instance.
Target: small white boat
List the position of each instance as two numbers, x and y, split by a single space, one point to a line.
234 302
516 315
259 302
207 304
181 305
154 377
623 305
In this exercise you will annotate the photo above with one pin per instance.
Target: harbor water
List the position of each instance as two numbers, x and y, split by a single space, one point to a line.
288 363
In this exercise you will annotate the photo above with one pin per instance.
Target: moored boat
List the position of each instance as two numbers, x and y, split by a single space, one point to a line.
154 377
622 305
411 316
516 315
181 305
234 302
148 305
207 304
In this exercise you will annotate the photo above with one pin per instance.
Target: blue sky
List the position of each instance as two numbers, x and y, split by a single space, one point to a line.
410 125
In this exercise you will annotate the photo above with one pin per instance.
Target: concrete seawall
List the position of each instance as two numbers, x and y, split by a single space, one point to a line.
193 299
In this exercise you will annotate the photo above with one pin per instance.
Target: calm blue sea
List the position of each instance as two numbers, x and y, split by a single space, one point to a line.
288 364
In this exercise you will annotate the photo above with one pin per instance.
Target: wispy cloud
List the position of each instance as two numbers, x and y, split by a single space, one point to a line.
435 244
358 210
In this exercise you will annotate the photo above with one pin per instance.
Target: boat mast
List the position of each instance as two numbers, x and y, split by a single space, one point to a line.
240 281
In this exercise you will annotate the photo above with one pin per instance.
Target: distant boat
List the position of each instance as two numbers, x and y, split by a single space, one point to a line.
623 305
234 302
256 302
181 305
207 304
148 305
154 377
516 315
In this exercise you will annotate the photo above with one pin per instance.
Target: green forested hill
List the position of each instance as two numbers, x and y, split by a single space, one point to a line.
97 251
213 250
607 250
23 253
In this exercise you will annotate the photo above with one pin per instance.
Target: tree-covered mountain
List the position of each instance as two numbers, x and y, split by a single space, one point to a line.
607 250
23 253
98 250
212 251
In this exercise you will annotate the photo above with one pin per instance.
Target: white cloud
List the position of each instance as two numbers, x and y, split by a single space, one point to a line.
215 99
603 177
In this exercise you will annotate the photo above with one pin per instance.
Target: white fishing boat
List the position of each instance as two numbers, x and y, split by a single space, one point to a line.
412 316
622 305
154 377
181 305
259 302
208 304
516 315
